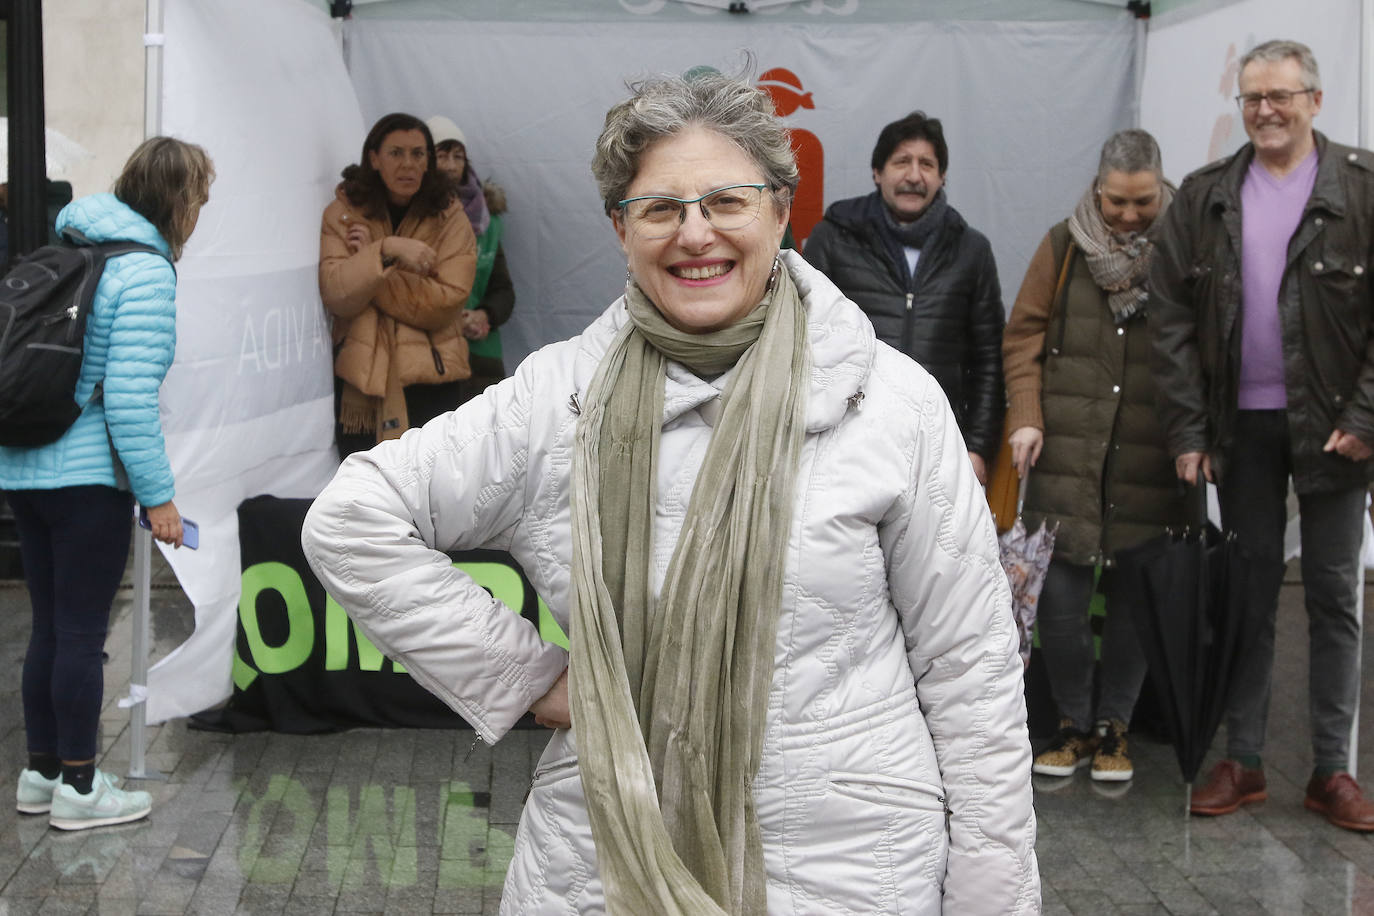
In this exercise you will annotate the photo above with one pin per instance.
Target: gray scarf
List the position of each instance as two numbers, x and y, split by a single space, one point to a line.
668 693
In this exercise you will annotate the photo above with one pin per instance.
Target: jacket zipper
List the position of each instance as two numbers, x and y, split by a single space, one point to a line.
434 351
909 325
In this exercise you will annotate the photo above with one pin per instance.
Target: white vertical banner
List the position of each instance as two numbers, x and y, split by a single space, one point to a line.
1025 106
247 407
1192 64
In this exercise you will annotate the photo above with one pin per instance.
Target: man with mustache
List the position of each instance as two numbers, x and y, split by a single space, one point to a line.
925 278
1262 320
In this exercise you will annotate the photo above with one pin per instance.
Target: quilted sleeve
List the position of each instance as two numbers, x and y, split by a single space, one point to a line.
142 342
946 580
375 538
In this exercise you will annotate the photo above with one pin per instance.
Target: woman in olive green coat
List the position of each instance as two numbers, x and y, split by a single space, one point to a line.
1076 358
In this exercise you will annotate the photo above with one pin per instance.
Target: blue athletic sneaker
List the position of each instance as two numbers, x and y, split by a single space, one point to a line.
34 792
105 805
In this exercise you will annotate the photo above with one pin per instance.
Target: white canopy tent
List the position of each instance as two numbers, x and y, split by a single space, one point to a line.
281 96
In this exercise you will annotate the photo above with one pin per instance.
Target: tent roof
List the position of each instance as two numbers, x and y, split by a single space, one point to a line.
795 11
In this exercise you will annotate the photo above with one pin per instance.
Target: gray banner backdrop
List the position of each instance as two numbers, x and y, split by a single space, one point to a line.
1026 108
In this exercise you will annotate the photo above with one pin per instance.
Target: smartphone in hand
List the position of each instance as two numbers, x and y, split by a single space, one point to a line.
190 531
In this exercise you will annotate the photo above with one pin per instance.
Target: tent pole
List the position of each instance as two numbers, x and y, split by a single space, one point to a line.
143 539
1366 74
1141 36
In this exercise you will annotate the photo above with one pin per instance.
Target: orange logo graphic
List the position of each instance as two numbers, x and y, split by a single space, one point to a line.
808 206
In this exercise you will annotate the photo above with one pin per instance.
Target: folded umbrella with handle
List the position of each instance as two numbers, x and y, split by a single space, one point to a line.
1190 626
1026 560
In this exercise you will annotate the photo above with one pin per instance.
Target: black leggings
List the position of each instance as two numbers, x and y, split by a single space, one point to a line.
75 544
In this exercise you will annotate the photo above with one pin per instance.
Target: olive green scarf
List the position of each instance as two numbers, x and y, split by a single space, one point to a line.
668 694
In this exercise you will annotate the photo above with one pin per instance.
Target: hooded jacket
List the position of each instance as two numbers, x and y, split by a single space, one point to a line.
1326 314
948 317
128 347
895 768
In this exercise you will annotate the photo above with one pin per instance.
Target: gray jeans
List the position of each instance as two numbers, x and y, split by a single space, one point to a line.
1254 497
1066 638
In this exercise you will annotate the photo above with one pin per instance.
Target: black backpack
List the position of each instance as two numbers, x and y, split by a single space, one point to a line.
44 302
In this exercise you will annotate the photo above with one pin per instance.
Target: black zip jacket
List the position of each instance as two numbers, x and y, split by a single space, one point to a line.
948 317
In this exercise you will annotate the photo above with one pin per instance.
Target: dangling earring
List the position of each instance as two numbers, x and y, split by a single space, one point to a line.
773 274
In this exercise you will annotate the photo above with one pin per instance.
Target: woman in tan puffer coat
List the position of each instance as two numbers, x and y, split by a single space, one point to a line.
397 257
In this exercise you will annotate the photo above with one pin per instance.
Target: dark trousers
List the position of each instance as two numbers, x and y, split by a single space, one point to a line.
1254 498
1066 639
75 543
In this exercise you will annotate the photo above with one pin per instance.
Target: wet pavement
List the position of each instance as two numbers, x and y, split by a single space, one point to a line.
410 821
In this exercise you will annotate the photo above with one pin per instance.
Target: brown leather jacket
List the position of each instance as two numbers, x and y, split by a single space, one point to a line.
426 335
1326 312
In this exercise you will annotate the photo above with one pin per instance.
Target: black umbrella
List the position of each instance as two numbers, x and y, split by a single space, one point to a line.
1190 626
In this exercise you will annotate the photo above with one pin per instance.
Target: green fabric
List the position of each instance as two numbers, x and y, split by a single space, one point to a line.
668 695
488 243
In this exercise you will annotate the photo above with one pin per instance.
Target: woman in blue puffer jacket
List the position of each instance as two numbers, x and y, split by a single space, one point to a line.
73 499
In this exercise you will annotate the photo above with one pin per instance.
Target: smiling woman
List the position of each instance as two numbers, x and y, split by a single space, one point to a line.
790 636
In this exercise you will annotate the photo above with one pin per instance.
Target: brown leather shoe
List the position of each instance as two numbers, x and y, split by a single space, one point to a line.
1229 786
1340 799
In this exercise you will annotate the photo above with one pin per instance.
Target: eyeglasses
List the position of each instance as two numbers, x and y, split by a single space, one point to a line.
732 207
1279 99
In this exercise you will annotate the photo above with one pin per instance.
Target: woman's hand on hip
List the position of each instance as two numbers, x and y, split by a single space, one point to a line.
413 254
551 710
165 522
1025 443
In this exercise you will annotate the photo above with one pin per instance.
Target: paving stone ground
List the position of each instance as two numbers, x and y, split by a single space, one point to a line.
405 821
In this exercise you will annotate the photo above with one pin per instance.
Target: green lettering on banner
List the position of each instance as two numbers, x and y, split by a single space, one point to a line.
336 629
501 580
335 635
244 673
506 586
300 636
549 630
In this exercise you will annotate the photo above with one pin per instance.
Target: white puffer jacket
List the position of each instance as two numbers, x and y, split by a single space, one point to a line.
896 765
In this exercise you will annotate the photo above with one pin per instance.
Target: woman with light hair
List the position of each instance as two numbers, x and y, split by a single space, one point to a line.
73 499
793 683
1076 355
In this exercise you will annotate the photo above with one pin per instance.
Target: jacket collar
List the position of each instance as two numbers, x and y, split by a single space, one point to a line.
1327 191
842 351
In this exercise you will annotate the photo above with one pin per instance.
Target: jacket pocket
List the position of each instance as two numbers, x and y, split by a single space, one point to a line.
868 843
1338 324
554 772
889 790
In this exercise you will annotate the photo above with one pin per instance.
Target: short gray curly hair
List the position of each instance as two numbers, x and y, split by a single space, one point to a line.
663 106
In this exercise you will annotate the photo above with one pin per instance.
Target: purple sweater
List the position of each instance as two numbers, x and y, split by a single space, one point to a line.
1271 209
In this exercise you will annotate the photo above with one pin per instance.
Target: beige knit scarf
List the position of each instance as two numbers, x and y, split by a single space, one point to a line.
668 693
1117 261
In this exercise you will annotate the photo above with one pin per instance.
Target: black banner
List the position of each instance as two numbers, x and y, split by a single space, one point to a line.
302 666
